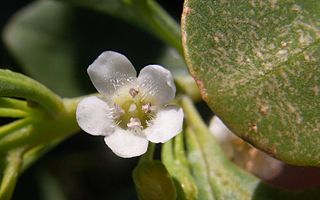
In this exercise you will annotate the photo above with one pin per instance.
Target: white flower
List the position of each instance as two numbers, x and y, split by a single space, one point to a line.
243 154
132 110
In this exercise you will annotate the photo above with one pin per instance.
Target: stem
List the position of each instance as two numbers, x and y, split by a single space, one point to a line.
11 173
162 24
192 116
13 126
224 175
179 151
18 85
148 156
175 159
44 130
198 166
13 113
167 154
6 102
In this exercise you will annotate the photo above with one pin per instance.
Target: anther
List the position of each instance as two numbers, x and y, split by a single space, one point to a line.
134 123
147 108
118 111
133 92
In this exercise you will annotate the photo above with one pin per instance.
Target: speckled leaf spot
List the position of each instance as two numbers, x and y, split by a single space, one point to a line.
257 65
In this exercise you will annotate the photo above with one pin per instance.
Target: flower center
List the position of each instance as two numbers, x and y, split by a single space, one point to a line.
133 109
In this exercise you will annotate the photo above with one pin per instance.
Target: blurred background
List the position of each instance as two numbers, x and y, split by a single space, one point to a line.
54 42
38 39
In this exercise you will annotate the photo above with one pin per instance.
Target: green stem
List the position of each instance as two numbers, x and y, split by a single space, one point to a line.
11 173
18 85
174 158
179 151
148 156
167 154
162 24
192 116
13 113
223 173
6 102
44 130
198 166
13 126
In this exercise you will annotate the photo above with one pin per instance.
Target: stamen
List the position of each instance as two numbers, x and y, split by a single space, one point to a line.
132 107
133 92
149 123
134 123
118 111
146 108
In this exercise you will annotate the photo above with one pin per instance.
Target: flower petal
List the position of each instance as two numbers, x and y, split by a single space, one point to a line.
219 129
94 116
158 83
110 71
125 144
167 124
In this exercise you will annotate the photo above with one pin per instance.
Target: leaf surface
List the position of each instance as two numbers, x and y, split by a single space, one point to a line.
257 65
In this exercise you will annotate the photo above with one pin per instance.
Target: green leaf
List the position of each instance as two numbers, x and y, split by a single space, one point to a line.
257 65
153 181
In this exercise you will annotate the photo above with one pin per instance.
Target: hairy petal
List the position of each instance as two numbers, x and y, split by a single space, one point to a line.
110 71
167 124
125 144
94 116
157 82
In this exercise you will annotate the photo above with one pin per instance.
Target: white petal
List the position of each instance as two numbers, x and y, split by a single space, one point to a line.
158 83
167 124
110 71
220 130
94 116
125 144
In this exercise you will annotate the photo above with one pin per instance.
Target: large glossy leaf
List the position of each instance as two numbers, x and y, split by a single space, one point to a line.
257 65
